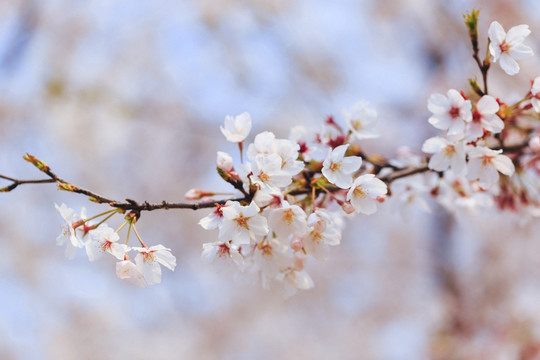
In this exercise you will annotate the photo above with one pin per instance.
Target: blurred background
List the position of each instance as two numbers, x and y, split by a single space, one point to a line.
126 98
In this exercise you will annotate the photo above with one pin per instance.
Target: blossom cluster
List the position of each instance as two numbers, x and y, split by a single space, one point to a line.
99 239
294 193
297 191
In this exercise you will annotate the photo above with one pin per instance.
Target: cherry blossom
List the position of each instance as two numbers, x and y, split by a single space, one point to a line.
104 239
224 250
236 128
509 47
323 232
128 271
485 165
363 193
446 154
148 262
69 234
288 219
339 169
361 120
241 223
450 112
484 117
267 172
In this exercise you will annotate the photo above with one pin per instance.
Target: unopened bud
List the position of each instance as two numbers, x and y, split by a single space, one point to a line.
297 244
36 162
196 194
299 260
224 161
67 187
347 207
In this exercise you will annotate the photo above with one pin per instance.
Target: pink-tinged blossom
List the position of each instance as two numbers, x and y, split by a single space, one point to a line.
212 220
148 262
69 234
237 128
242 223
222 250
446 154
485 165
339 169
450 112
288 219
361 120
224 161
128 271
484 117
104 239
323 232
509 47
364 192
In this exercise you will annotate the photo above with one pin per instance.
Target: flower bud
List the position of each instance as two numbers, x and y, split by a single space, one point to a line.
224 161
299 260
347 207
297 244
196 194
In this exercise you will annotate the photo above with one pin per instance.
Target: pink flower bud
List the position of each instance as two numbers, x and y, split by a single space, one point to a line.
193 194
196 194
297 244
299 260
347 207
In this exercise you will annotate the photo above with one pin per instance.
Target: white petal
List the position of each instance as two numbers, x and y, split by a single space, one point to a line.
496 33
517 33
433 145
487 105
438 104
508 64
504 164
521 52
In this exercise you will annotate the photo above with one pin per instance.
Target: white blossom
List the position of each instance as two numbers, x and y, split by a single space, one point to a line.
212 220
446 154
339 169
128 271
485 165
267 172
361 120
222 250
69 234
236 128
104 239
288 219
509 47
148 262
484 117
241 223
363 193
323 232
450 112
